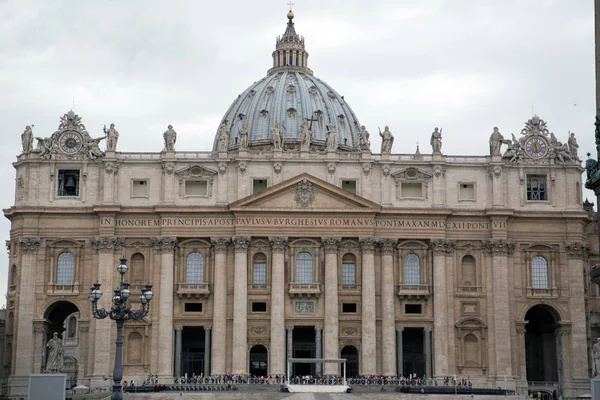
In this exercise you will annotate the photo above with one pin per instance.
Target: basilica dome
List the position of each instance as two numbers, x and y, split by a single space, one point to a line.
289 95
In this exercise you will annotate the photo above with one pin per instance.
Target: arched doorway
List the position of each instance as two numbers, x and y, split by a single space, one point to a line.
258 360
350 353
541 344
62 318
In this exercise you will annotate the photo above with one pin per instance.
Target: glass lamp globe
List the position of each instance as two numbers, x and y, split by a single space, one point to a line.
122 268
125 293
116 300
97 294
143 299
148 295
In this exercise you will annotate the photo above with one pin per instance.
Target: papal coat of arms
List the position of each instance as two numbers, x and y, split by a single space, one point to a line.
305 194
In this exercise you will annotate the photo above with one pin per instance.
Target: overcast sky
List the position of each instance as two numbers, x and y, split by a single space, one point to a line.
463 65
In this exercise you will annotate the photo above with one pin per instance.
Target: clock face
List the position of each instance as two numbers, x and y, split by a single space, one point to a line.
70 142
536 147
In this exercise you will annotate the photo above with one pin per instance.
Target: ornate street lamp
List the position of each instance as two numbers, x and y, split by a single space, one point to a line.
120 312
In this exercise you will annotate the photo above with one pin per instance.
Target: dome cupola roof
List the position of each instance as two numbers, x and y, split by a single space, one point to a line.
287 97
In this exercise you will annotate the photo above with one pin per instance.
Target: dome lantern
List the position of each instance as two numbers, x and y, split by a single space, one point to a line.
290 52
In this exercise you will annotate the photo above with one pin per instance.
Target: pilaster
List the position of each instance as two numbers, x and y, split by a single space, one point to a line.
218 345
368 312
240 305
277 348
440 247
331 323
388 323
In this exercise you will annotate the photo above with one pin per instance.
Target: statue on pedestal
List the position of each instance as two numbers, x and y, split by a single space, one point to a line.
170 137
244 136
305 136
27 139
332 138
573 146
276 133
496 140
436 141
112 136
55 359
363 139
387 139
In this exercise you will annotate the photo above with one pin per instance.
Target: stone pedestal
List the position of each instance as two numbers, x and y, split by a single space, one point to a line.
277 348
240 306
218 345
331 304
368 312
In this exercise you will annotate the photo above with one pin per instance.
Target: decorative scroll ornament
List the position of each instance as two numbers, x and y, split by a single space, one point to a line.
499 247
164 244
107 244
576 249
349 331
29 244
305 193
304 307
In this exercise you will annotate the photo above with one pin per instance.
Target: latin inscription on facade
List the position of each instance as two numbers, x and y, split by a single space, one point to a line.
298 222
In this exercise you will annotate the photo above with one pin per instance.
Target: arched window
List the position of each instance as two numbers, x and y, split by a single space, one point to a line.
539 273
412 269
471 351
10 324
134 348
13 275
194 271
259 269
136 268
304 267
469 274
349 270
65 269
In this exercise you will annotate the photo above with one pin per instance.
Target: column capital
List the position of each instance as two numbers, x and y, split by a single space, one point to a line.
84 326
29 244
331 243
278 243
399 329
208 328
576 249
178 328
521 326
318 328
240 243
428 329
499 247
220 243
164 244
441 246
289 328
387 246
367 244
107 244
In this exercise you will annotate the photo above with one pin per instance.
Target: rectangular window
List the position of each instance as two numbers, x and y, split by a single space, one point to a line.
259 274
259 306
466 191
349 307
259 185
68 183
139 188
193 307
412 190
349 186
536 188
349 274
196 188
412 309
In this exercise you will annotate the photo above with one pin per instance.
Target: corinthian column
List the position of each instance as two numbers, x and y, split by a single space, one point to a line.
576 253
24 335
240 305
388 323
500 250
218 345
277 348
440 307
331 304
368 312
105 247
166 247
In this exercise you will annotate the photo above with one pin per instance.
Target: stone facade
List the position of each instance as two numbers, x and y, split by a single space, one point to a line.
430 264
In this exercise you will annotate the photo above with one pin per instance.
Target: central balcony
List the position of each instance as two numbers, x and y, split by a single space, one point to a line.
413 291
304 289
193 289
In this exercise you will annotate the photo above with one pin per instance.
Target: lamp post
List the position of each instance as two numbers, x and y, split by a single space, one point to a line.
120 312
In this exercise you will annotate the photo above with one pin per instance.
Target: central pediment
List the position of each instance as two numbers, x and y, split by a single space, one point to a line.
305 193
